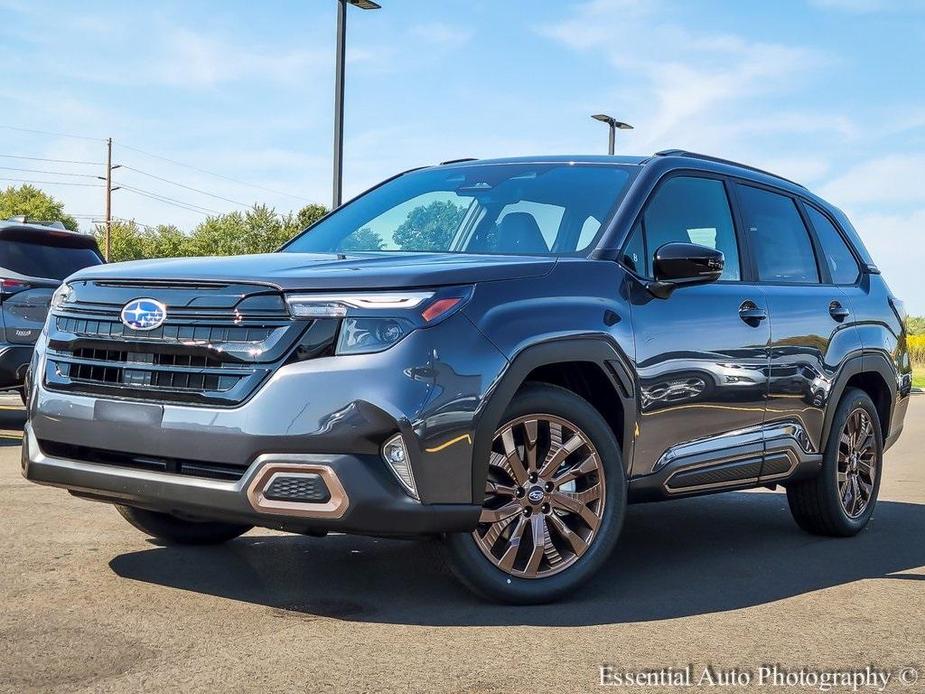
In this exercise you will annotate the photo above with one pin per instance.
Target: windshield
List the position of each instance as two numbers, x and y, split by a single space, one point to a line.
524 209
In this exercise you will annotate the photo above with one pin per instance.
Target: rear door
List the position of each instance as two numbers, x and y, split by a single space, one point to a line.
809 315
32 265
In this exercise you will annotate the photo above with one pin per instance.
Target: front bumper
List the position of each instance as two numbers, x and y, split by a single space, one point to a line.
328 411
367 502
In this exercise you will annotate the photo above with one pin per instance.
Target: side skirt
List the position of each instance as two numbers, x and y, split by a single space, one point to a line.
740 460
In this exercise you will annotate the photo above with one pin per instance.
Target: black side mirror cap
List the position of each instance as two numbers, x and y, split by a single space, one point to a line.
680 264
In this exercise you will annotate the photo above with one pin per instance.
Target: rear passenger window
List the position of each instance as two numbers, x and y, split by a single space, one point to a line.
688 210
783 250
842 265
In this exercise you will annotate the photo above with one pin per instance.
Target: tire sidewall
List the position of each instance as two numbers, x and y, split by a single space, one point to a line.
477 571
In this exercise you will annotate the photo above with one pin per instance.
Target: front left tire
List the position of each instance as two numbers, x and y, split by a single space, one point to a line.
554 501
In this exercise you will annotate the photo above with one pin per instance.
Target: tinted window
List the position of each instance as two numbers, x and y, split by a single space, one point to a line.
480 208
688 210
36 260
634 255
783 250
842 265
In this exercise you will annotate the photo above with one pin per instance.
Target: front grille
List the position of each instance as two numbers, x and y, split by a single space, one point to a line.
216 345
137 461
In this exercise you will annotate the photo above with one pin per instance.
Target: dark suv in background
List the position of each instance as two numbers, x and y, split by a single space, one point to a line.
502 353
34 258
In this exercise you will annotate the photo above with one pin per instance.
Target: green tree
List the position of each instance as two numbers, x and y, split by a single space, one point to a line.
364 239
429 227
36 204
915 325
126 240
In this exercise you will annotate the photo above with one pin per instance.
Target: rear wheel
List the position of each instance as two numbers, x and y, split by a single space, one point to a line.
841 499
171 529
554 501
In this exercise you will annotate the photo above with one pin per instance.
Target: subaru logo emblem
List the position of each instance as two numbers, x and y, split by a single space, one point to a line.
536 495
143 314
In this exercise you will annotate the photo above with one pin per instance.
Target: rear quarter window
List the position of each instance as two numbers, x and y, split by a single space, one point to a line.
841 261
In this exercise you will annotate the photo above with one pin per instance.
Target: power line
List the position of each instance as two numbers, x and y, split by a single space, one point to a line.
53 183
212 173
57 161
44 171
170 201
53 134
182 185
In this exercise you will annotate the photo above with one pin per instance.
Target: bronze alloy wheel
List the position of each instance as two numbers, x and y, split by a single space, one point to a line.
857 463
544 497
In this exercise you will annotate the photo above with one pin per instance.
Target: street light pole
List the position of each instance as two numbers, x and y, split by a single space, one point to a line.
339 65
614 125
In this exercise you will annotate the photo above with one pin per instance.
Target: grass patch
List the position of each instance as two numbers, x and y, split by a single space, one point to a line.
918 377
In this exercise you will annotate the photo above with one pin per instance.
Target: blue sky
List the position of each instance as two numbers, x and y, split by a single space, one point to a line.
829 92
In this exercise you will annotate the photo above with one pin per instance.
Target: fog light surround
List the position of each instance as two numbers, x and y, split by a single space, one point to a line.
395 455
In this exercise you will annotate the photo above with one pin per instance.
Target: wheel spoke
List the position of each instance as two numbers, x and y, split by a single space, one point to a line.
575 541
538 525
530 436
495 489
510 554
585 467
496 529
512 456
494 515
565 502
842 478
557 456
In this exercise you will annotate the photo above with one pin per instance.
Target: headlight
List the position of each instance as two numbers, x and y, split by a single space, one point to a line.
366 335
62 295
375 321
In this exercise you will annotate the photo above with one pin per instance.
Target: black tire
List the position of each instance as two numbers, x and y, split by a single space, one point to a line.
173 530
23 396
471 564
816 503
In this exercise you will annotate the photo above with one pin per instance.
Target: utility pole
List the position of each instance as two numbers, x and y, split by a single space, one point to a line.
339 61
107 220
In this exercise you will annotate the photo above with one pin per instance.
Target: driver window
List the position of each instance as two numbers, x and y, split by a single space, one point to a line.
687 210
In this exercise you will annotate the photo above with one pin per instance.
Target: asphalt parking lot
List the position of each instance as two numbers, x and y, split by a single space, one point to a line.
88 603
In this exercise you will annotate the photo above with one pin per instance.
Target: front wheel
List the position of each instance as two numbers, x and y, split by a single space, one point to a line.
554 501
171 529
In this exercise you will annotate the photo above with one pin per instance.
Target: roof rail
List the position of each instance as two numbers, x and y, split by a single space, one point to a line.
719 160
458 161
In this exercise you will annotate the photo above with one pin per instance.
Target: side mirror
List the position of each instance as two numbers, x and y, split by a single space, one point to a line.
681 264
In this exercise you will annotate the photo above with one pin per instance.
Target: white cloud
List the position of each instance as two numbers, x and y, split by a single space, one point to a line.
893 179
897 243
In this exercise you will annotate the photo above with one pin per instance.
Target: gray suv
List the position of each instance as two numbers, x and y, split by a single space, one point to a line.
499 353
34 258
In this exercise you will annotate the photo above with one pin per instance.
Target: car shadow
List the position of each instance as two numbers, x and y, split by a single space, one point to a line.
683 558
12 421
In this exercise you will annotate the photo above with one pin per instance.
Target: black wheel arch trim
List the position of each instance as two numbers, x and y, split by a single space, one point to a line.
866 362
597 349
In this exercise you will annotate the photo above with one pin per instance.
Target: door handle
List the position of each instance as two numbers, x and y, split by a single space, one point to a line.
838 312
751 314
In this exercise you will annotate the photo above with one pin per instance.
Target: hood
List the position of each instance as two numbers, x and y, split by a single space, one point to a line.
296 271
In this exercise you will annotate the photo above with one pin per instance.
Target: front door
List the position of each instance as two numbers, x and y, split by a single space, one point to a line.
702 353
